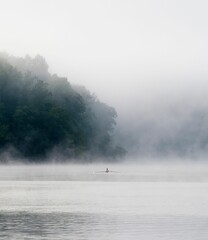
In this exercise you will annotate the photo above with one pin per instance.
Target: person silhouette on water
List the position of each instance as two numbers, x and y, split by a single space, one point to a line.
107 171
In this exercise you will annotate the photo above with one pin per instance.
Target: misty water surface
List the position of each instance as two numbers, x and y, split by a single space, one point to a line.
148 202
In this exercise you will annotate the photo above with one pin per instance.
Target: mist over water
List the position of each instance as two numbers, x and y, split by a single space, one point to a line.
142 61
128 171
148 201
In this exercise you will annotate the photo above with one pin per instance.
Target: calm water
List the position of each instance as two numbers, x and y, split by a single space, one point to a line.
146 202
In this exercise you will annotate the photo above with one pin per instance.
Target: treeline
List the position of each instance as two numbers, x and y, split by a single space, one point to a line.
43 115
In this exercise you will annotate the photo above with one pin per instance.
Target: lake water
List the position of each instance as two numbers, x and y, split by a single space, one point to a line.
145 202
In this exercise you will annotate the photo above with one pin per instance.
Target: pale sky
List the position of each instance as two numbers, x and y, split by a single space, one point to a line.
129 52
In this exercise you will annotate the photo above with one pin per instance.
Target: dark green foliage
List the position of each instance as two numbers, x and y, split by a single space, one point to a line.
40 113
100 122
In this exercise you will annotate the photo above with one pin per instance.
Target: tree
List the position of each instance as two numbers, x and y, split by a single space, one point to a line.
39 112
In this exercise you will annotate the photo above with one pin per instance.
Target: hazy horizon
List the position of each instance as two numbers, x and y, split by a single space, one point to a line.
70 168
147 59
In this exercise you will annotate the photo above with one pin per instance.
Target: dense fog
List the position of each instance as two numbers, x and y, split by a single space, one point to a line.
145 59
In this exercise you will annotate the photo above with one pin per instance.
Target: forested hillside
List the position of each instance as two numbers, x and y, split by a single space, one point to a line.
42 115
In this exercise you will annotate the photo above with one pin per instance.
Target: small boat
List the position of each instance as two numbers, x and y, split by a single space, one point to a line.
107 171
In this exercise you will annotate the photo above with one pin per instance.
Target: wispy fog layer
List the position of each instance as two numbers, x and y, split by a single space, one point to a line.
148 59
128 171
